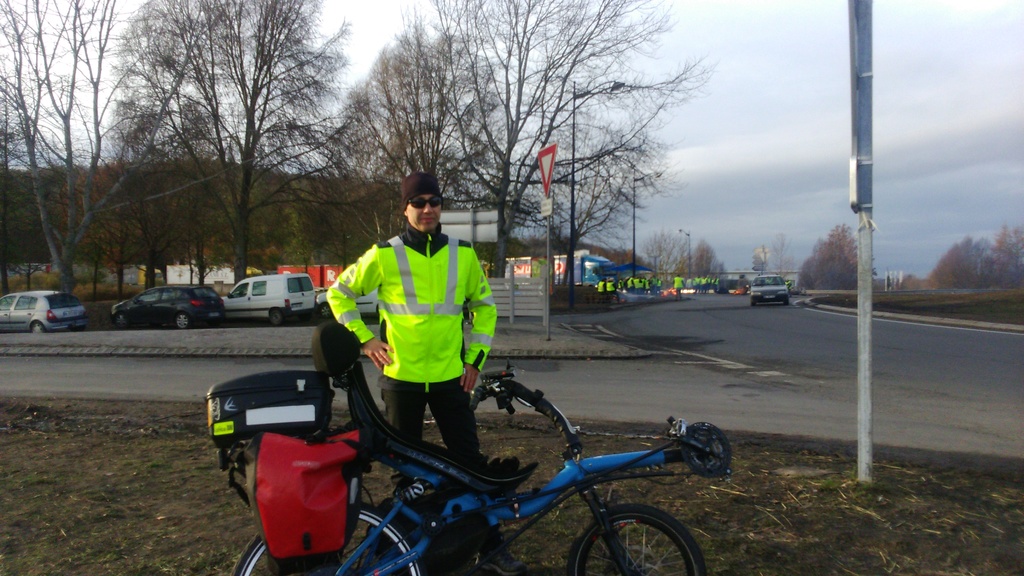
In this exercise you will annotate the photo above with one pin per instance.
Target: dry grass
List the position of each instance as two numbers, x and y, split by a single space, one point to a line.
1000 307
129 488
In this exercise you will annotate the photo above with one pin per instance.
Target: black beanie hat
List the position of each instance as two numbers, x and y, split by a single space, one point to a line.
418 184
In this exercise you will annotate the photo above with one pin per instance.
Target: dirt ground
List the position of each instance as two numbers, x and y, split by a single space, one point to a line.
124 488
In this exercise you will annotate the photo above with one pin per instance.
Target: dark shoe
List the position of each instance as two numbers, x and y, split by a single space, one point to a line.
505 564
502 466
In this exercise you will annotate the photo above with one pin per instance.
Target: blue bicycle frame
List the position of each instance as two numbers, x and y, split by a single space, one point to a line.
577 475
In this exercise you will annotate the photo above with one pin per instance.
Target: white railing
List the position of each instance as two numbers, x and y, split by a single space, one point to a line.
527 299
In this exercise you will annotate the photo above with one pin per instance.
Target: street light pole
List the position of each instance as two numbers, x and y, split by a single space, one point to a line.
688 263
634 226
571 256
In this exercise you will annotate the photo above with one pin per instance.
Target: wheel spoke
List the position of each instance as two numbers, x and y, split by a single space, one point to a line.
651 541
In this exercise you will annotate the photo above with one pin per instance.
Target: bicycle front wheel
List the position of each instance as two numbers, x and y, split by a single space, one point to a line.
394 538
651 542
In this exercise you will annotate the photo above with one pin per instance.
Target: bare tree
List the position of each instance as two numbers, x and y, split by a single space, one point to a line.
55 77
982 263
401 115
606 203
398 120
832 264
14 197
112 243
1008 257
257 108
668 249
967 264
705 261
779 256
531 70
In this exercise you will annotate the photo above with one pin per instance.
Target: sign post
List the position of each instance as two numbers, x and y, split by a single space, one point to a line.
546 163
473 225
861 201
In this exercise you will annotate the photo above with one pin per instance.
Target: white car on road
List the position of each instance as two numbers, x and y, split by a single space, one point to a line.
367 305
769 288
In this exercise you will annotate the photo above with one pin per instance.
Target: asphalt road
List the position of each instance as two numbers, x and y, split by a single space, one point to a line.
939 387
786 370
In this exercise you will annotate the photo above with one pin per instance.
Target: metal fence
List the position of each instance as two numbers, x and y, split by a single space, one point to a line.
518 296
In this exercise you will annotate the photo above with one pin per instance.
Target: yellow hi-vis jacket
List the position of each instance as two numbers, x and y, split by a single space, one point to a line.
422 282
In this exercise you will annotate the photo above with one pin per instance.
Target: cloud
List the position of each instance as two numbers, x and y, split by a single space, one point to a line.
768 149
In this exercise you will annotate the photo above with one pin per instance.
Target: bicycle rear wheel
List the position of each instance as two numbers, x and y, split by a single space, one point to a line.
652 541
252 561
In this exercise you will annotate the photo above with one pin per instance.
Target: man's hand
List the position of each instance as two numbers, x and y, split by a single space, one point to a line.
469 376
378 352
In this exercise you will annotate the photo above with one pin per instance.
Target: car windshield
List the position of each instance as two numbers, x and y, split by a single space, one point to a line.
768 281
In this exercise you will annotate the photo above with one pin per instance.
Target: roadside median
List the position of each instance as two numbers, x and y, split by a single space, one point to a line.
512 340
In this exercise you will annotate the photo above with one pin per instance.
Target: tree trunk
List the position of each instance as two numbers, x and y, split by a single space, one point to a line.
241 259
67 270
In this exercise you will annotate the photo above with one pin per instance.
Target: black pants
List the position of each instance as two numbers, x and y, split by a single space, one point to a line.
450 407
449 404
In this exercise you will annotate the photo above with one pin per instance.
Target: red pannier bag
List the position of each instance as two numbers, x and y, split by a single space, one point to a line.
305 496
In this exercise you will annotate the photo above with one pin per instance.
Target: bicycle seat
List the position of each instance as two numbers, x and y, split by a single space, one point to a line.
336 352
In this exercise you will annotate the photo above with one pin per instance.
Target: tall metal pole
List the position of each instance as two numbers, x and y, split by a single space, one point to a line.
570 258
862 203
688 263
548 286
634 226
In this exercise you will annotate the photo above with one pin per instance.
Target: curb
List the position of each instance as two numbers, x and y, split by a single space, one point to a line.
1013 328
580 352
119 352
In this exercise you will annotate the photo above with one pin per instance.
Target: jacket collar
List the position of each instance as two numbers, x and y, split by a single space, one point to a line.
418 241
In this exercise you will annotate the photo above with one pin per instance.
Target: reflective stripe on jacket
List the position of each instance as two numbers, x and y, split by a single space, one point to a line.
422 283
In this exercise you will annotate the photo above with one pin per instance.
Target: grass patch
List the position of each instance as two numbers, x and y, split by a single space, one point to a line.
1001 307
125 488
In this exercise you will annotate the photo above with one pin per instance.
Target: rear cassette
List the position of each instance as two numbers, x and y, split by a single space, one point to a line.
709 454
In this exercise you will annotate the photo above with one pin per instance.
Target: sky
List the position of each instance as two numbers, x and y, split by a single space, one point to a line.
766 149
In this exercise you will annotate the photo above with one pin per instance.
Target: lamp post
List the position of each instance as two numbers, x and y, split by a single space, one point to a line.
688 263
571 256
635 180
634 226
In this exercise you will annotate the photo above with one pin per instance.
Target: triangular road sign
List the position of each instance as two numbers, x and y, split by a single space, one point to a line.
546 161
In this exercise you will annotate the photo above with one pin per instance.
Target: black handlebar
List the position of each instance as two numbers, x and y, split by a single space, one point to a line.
702 446
501 386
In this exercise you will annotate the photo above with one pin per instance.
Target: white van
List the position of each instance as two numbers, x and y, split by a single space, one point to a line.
273 297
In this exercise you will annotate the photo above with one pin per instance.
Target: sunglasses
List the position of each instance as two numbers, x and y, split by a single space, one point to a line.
421 203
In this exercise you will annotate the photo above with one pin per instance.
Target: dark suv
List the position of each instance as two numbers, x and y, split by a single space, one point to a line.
181 306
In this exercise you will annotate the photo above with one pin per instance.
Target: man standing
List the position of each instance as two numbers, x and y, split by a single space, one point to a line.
678 283
423 278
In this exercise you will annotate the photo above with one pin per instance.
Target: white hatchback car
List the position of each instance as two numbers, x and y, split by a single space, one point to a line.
367 305
42 311
769 288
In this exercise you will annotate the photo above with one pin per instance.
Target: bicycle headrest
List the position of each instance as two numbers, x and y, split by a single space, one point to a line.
335 348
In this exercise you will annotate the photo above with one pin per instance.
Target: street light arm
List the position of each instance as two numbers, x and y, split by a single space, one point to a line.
608 87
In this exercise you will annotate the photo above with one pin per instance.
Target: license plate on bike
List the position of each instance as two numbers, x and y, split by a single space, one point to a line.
290 402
